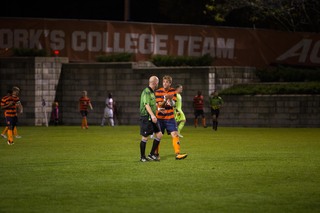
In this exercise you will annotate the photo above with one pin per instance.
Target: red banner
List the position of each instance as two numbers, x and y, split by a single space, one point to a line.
84 40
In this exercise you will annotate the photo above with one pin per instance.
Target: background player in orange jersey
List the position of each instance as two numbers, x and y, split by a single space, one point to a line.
198 104
84 103
15 130
165 98
12 106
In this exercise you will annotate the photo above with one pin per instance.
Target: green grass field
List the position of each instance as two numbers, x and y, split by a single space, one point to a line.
67 169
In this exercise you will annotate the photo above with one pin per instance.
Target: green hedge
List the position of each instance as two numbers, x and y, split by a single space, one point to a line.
167 60
273 88
288 74
115 57
27 52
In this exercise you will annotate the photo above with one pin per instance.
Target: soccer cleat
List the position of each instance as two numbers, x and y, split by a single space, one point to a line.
3 135
10 142
143 159
18 136
181 156
152 157
180 136
158 156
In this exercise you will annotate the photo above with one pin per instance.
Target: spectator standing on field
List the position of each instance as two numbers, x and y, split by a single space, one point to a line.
215 103
84 103
55 113
108 111
198 105
179 115
148 121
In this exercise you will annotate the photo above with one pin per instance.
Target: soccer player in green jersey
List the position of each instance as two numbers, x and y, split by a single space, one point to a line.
179 115
215 102
148 120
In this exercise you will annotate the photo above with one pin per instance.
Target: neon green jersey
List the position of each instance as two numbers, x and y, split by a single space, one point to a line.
179 103
147 97
215 102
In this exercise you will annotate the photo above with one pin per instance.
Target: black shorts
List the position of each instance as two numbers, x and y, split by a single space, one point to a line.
84 113
11 122
198 112
215 112
147 127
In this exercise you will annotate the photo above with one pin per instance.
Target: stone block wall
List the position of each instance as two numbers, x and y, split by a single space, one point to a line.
37 77
271 111
125 83
54 79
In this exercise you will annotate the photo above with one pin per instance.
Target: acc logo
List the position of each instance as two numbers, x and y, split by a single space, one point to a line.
303 50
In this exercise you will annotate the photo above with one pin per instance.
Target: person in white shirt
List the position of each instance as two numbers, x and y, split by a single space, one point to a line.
108 111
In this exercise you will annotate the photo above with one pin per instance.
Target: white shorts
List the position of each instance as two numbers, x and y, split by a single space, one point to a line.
108 113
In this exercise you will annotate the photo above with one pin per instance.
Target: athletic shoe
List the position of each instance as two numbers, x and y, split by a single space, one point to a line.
3 135
10 142
181 156
152 157
143 159
180 136
158 156
18 136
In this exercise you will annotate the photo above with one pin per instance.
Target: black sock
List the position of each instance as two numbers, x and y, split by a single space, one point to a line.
155 145
143 148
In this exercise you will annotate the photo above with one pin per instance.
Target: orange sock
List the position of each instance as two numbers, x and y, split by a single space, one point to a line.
5 130
83 123
15 131
176 145
10 137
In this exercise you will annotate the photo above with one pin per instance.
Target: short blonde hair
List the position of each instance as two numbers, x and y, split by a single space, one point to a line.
168 78
15 88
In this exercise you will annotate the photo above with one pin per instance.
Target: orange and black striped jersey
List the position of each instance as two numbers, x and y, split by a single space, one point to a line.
10 111
168 113
84 103
198 102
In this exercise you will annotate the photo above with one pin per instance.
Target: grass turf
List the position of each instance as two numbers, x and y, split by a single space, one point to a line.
67 169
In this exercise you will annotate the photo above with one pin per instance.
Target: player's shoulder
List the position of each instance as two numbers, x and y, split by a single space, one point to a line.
160 90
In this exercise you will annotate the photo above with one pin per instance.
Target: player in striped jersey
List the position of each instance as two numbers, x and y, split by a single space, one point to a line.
84 103
12 106
198 104
165 98
15 130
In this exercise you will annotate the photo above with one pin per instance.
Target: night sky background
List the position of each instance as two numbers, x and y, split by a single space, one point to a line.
113 10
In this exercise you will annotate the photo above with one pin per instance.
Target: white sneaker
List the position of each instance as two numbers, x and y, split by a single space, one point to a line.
180 136
3 135
18 136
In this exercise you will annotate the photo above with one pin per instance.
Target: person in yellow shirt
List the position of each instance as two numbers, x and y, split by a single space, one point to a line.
216 103
179 115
